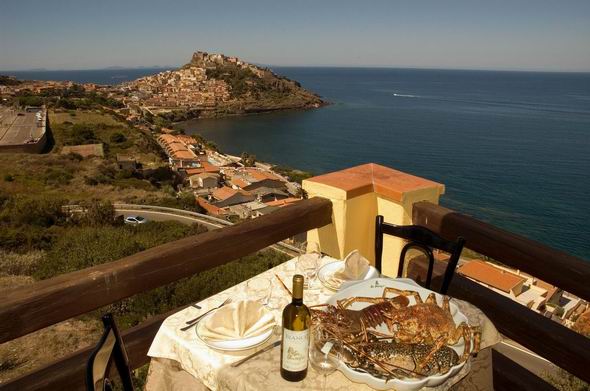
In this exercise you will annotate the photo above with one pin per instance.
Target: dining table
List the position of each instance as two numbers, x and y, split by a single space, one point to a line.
180 360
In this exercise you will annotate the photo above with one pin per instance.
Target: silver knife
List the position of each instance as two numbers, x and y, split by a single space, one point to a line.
266 349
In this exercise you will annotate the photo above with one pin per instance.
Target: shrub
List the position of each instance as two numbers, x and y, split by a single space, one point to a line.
30 100
90 181
42 212
81 247
26 238
19 264
118 137
248 160
57 176
8 178
99 213
75 156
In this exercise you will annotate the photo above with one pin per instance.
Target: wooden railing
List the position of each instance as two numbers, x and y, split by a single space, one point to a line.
558 344
30 308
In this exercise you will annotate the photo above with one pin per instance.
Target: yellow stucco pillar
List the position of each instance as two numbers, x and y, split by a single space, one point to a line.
358 195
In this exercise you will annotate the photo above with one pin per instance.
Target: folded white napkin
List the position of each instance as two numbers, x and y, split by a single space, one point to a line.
242 319
355 267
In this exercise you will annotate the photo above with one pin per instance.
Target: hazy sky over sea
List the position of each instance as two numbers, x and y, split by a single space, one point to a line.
467 34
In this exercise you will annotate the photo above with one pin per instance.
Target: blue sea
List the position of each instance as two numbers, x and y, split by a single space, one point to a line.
512 148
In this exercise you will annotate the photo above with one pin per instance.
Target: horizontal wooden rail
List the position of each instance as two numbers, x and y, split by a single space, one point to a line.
68 373
558 344
30 308
558 268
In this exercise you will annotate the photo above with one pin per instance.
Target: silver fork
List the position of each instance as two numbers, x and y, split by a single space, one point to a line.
194 321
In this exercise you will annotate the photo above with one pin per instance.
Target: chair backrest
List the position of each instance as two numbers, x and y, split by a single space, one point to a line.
421 238
110 348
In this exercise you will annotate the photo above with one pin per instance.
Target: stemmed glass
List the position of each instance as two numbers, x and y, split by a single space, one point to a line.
259 288
308 261
324 354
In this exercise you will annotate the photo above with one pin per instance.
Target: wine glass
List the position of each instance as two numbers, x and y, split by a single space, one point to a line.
259 288
324 354
308 261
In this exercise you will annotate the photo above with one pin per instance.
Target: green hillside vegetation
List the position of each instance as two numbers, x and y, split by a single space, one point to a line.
76 127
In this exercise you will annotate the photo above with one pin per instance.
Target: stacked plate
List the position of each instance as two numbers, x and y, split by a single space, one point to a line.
224 334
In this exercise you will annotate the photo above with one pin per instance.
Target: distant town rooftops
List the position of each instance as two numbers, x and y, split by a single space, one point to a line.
177 146
494 277
205 167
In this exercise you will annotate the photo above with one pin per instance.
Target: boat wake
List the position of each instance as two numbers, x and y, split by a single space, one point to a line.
405 95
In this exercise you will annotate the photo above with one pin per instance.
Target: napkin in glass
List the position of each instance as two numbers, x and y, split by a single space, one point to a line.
239 320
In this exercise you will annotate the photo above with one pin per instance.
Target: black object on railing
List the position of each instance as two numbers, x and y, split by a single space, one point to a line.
423 239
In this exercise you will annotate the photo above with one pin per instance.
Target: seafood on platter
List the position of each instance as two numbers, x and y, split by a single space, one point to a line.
389 358
391 338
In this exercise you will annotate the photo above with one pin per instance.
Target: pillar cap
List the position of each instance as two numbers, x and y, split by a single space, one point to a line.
372 177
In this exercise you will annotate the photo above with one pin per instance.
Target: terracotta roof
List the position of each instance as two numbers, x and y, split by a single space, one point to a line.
283 202
208 167
259 175
223 193
205 175
186 139
239 182
373 177
194 171
484 272
211 209
186 154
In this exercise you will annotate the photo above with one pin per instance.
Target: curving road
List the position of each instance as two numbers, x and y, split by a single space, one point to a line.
167 216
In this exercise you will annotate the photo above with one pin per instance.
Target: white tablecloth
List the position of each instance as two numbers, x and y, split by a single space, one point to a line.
211 367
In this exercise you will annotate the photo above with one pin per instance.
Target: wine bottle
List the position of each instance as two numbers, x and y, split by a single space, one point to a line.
295 345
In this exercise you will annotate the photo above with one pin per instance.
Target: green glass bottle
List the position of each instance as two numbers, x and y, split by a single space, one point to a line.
295 345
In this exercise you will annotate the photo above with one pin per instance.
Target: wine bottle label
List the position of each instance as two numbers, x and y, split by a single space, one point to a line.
295 350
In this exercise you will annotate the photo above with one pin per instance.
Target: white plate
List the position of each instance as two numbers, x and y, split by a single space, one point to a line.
374 288
235 344
329 269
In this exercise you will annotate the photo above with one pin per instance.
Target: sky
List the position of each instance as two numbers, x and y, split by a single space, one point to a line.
451 34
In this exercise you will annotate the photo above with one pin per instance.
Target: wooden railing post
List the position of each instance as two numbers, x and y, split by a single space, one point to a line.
358 195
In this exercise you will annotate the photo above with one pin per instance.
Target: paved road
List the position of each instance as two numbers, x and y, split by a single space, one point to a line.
17 129
163 216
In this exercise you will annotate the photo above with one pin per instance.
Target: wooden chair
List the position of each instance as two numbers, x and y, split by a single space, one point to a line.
110 348
419 238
